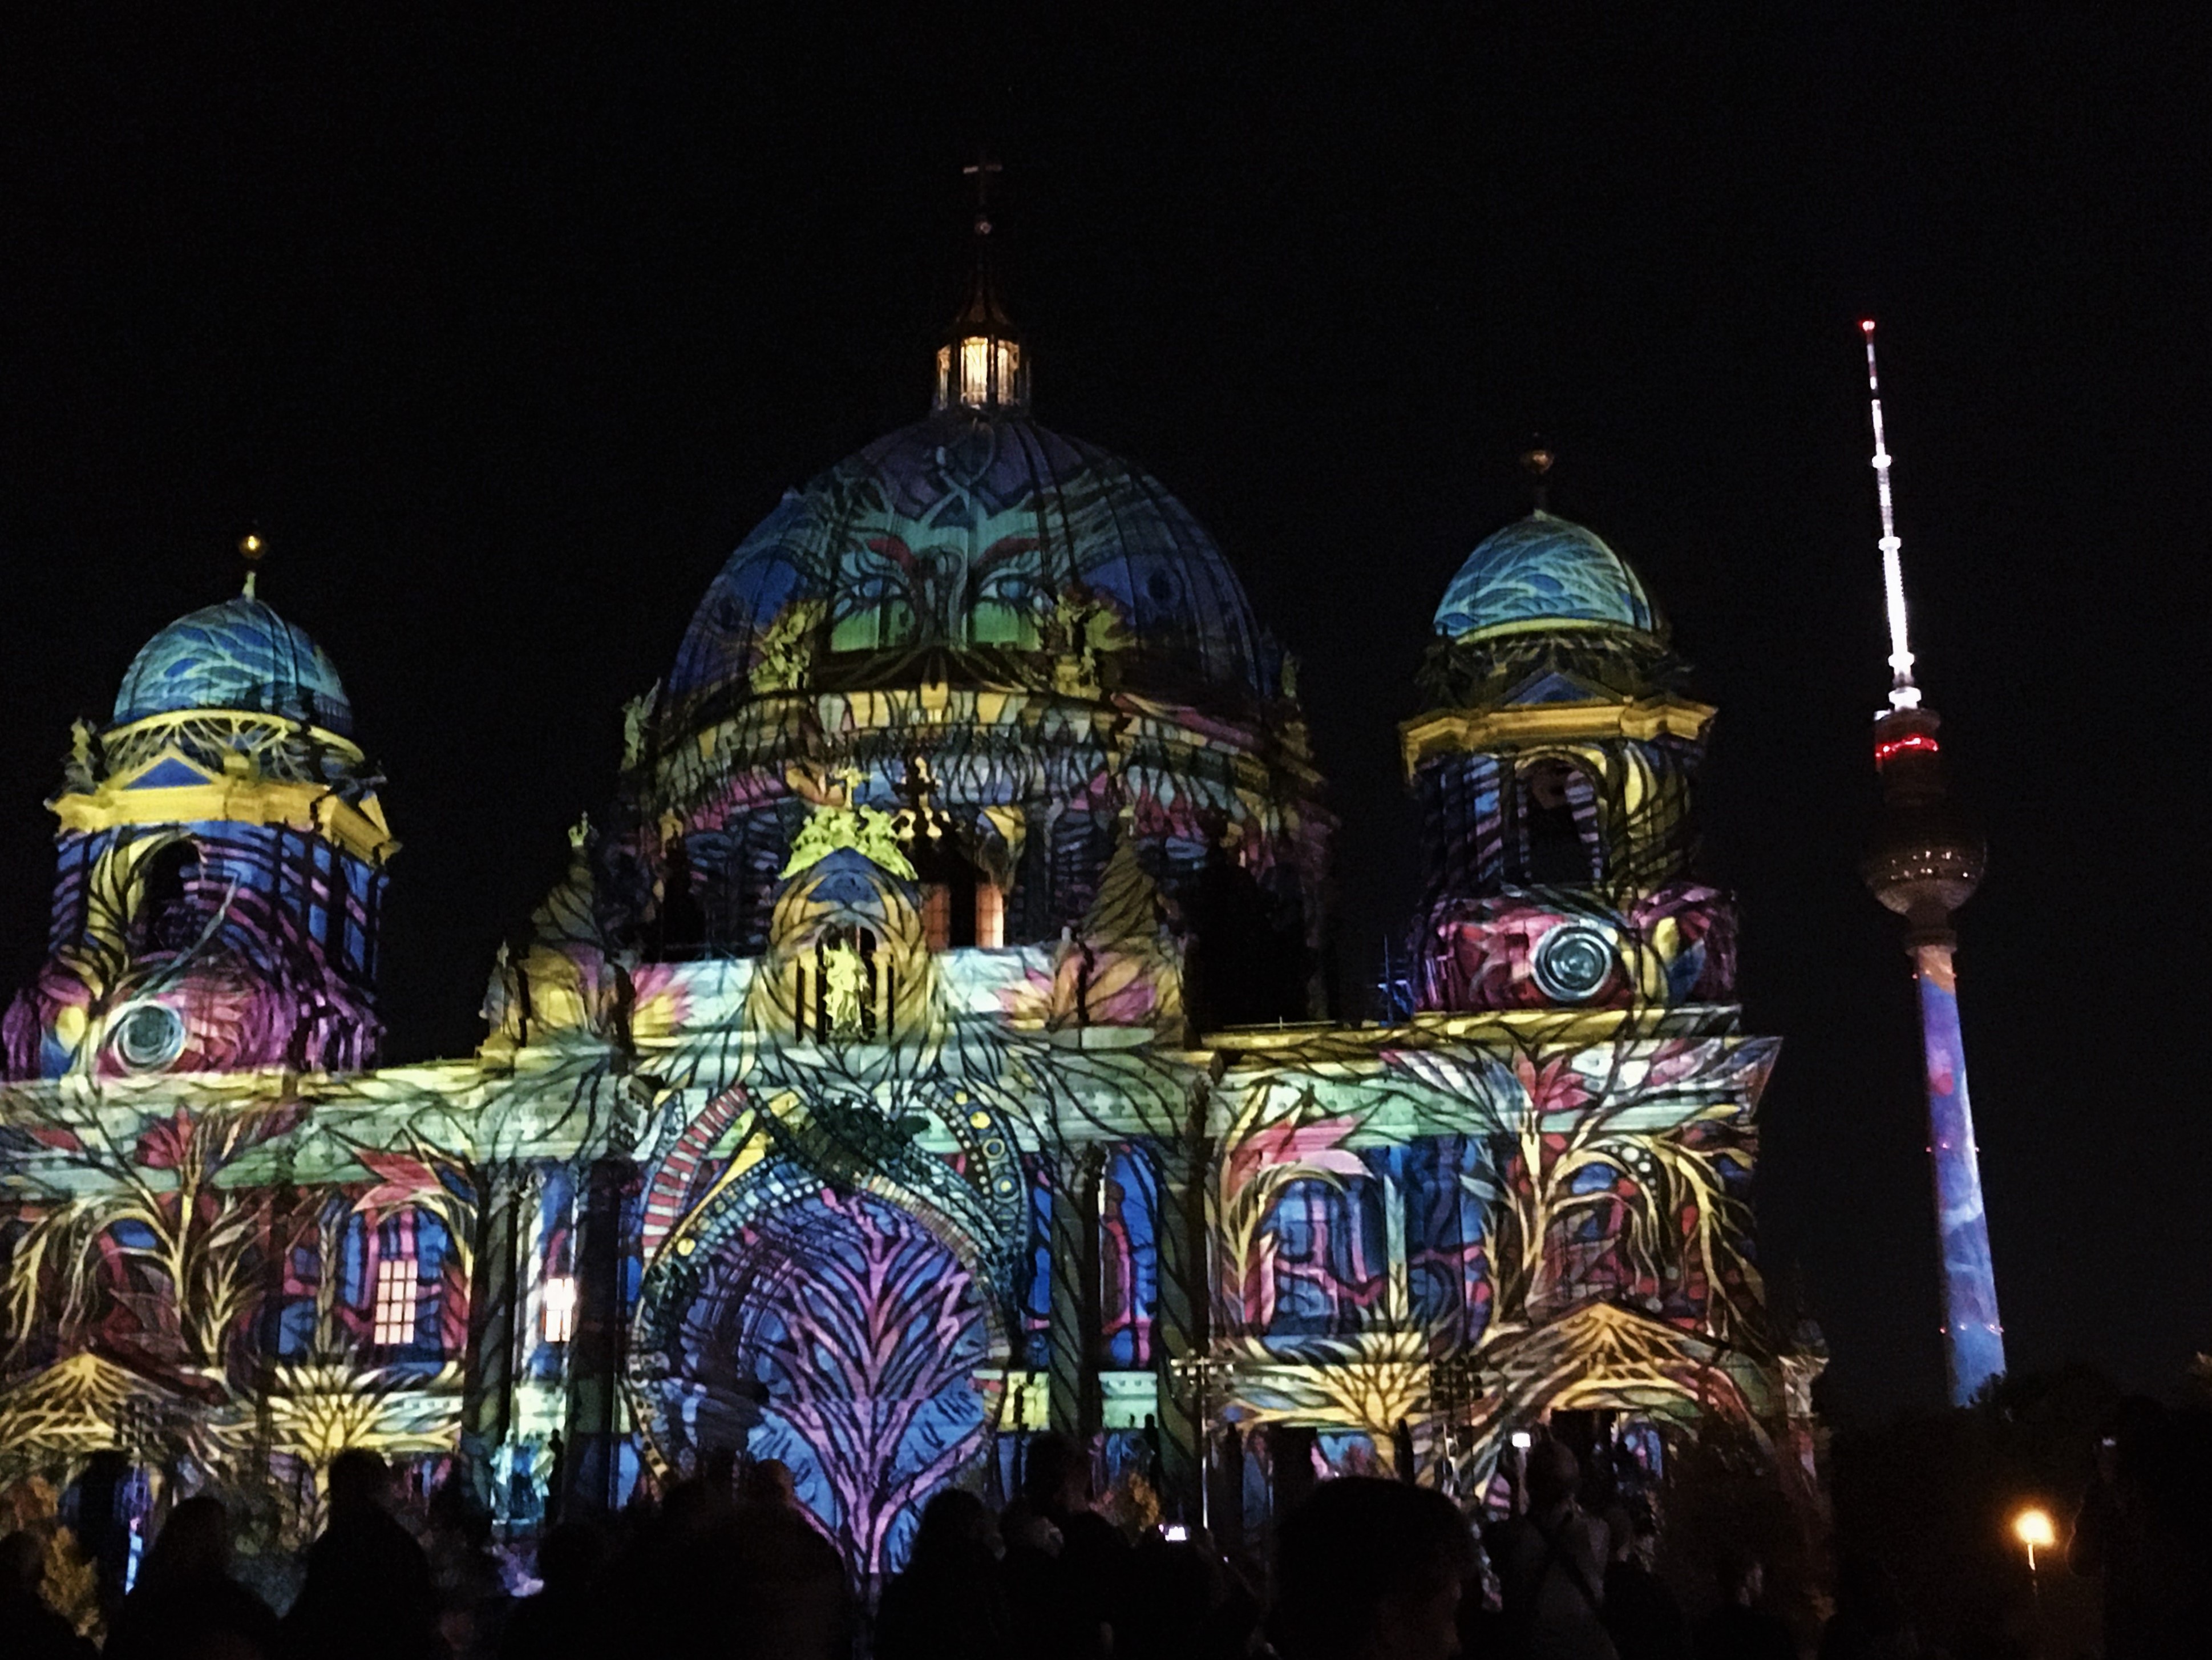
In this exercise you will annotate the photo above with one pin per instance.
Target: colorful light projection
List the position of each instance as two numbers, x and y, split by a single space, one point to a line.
221 872
1071 1215
1971 1331
1926 862
870 1094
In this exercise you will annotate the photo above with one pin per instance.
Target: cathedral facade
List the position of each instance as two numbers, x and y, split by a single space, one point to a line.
920 1052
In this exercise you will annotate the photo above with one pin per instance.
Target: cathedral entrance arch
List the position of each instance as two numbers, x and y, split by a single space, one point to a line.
849 1332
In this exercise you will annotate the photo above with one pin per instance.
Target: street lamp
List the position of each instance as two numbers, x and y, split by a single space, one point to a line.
2034 1528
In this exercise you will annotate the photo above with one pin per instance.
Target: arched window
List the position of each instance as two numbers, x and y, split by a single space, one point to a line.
167 919
1555 849
846 988
680 930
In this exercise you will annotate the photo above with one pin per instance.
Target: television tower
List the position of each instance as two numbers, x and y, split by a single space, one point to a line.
1925 862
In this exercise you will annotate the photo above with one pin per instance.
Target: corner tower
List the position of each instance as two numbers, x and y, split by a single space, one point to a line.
1553 770
1575 1013
222 866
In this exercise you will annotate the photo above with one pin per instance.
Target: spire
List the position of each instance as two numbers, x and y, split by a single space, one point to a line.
1537 462
250 547
978 362
1903 694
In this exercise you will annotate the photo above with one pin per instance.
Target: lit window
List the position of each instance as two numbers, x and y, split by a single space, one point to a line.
937 914
988 368
560 1307
990 915
396 1299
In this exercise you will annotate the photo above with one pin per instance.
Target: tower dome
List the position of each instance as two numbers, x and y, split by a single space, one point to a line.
240 655
978 549
1543 572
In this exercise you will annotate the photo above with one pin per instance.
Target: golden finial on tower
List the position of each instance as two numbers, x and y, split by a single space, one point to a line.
1536 461
250 547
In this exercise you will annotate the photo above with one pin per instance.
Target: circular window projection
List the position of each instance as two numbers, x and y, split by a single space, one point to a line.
150 1037
1573 963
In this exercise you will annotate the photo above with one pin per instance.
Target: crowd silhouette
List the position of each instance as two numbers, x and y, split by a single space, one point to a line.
729 1564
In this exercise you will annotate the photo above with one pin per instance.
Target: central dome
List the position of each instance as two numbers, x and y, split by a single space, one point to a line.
975 544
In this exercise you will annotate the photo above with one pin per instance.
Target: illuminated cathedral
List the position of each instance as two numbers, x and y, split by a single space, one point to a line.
922 1050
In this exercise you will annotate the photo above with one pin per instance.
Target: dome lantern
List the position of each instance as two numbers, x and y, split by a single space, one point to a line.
979 362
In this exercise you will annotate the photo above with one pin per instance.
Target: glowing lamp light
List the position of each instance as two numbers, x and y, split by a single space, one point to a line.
2034 1528
979 371
1918 741
560 1301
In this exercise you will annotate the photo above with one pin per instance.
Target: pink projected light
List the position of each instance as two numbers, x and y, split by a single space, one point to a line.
1903 694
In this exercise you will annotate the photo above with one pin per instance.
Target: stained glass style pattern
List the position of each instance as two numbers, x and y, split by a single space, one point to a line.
913 1055
1543 572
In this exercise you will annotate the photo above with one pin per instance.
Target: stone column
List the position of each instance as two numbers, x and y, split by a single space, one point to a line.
595 1351
1072 1369
1181 1325
494 1299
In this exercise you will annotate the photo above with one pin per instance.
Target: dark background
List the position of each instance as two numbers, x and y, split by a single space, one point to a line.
505 331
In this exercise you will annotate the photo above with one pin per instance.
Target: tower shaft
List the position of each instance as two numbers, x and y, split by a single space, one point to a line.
1974 1339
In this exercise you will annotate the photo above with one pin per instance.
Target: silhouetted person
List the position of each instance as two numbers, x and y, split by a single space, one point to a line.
471 1592
558 1623
1056 1610
1641 1614
1547 1563
1367 1569
367 1593
672 1585
1869 1622
790 1579
185 1605
556 1479
1180 1600
29 1628
1740 1629
2141 1529
951 1602
718 1470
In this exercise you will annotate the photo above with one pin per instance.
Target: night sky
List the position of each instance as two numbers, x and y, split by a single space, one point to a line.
505 332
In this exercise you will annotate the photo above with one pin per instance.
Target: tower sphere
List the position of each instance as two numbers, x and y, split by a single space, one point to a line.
1927 856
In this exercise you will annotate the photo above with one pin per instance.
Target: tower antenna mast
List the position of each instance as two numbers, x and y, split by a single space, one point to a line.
1903 694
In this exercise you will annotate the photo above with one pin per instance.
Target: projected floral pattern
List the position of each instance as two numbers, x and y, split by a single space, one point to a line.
865 1334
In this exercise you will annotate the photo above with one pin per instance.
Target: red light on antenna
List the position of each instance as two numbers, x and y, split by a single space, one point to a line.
1867 327
1912 740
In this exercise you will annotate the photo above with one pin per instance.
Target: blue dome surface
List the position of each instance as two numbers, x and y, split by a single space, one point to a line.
1543 572
963 533
237 655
